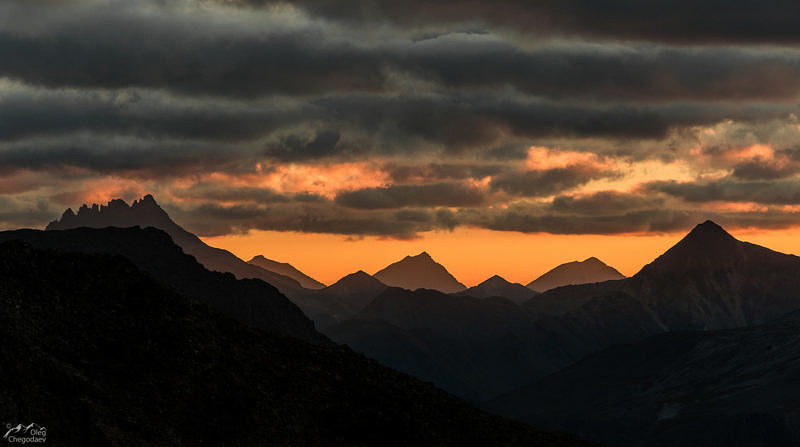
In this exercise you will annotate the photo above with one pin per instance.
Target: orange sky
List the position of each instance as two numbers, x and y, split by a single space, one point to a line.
471 255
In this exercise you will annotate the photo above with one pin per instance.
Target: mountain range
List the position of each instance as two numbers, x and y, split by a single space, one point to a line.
590 270
109 355
694 349
708 280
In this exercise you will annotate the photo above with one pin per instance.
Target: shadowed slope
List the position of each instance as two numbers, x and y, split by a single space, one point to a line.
703 389
475 347
102 354
251 301
340 300
286 269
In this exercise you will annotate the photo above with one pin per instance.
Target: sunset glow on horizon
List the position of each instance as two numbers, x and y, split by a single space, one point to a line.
472 255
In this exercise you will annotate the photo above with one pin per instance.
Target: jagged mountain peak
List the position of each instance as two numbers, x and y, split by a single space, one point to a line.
422 257
146 212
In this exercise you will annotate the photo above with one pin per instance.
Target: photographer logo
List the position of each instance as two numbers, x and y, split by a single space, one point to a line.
32 433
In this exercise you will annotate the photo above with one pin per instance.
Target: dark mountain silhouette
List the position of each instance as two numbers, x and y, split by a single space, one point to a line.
563 299
251 301
340 300
498 286
356 289
703 389
476 348
109 356
588 271
708 280
146 213
286 269
419 272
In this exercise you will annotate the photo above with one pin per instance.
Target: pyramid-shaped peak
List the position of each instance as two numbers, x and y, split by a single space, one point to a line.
709 228
496 279
419 272
708 244
593 260
707 234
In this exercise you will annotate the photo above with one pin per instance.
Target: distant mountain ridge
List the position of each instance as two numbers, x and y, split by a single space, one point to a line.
286 269
590 270
499 286
146 212
419 272
340 300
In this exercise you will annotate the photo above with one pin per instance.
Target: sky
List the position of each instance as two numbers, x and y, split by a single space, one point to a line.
502 137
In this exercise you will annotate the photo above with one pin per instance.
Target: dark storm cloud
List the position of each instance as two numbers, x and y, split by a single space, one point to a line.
635 72
765 170
546 182
468 119
400 196
295 147
729 190
670 20
648 220
605 202
26 114
119 45
111 156
210 219
16 213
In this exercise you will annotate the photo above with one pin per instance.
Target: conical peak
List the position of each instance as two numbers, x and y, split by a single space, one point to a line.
708 244
593 260
423 255
708 232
